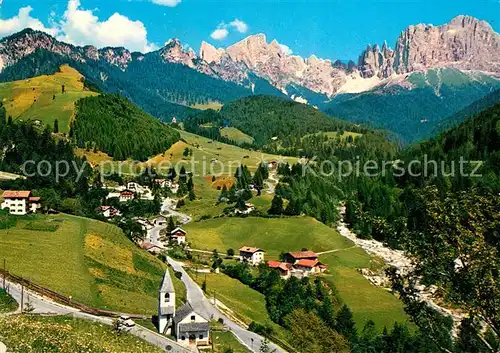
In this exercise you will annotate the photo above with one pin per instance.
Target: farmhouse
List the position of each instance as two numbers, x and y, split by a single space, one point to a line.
299 264
253 256
178 235
190 328
285 269
309 267
20 202
293 257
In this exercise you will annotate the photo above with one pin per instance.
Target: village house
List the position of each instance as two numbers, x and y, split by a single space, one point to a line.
108 211
126 195
190 328
309 267
161 182
285 269
293 257
299 264
20 202
178 235
151 248
253 256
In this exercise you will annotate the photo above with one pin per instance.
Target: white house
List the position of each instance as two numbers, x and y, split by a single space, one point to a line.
190 328
166 304
253 256
20 202
108 211
178 235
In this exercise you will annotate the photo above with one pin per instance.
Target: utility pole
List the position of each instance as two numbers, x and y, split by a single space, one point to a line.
22 298
4 276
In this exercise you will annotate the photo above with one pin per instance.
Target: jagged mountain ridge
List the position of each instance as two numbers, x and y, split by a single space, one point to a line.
465 43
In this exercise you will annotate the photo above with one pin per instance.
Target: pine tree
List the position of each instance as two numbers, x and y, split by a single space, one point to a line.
56 126
276 206
170 225
345 325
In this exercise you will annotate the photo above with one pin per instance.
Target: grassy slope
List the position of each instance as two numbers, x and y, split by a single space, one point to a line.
19 97
247 304
289 234
234 134
89 260
226 340
7 303
32 334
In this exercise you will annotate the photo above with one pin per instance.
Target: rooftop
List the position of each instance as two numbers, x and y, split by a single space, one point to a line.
307 263
250 249
167 285
10 194
303 254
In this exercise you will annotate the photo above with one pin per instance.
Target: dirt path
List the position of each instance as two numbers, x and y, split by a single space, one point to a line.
336 250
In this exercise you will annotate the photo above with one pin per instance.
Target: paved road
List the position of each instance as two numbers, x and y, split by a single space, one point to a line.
43 305
168 210
203 306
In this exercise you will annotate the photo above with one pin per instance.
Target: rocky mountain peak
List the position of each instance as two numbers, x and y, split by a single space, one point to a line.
210 54
464 43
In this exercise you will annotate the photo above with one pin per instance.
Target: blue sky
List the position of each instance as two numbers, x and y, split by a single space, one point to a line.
329 29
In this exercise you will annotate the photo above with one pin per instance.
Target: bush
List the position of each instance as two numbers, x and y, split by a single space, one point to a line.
7 221
178 274
41 226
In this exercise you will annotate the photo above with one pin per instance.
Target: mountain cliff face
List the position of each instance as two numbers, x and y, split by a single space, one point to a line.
465 43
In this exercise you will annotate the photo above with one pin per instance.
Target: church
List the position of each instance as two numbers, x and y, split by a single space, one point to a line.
188 326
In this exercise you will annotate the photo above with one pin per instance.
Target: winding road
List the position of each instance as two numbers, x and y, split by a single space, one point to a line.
203 306
45 306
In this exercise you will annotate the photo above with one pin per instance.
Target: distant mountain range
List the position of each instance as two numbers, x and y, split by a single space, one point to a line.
432 72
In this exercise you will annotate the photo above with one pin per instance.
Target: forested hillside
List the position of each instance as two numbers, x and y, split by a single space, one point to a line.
162 89
413 109
471 110
112 124
278 126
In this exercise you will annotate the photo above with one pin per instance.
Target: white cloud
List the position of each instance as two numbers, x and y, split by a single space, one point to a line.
239 25
21 21
169 3
219 34
222 30
82 27
286 49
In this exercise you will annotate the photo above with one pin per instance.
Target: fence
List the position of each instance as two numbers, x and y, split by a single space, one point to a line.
59 298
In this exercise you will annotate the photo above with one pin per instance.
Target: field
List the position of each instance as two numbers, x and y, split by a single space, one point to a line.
226 340
292 234
41 98
89 260
234 134
7 303
214 106
274 235
30 334
334 134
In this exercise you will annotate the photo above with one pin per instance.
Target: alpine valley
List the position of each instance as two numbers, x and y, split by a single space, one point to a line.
432 73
